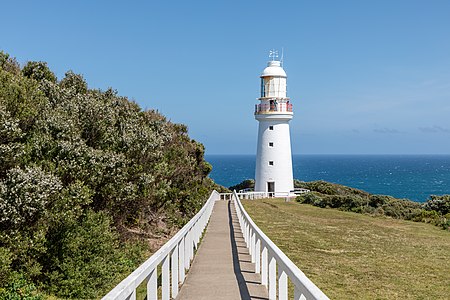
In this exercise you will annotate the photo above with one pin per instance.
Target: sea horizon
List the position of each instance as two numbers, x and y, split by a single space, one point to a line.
409 176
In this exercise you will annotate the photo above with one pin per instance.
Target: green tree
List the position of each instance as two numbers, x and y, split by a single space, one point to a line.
38 70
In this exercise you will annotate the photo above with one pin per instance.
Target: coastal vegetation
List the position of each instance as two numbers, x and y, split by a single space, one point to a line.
246 184
358 256
89 183
435 210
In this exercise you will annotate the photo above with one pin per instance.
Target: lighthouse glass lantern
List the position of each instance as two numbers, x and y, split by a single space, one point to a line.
273 173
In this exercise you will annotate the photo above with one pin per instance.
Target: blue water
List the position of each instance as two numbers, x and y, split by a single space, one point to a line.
414 177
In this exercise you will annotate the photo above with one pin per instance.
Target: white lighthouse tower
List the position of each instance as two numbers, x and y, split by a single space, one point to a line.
273 172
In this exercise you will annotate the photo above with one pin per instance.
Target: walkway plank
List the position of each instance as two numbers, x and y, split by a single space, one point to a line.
222 267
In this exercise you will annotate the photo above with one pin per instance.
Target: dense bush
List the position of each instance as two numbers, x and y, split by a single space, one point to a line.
246 184
330 195
440 204
85 256
18 288
84 174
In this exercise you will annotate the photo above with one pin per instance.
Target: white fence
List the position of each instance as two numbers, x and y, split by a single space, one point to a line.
267 257
174 259
256 195
246 195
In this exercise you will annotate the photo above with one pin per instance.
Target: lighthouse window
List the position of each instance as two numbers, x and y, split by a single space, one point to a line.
263 92
271 163
270 144
270 127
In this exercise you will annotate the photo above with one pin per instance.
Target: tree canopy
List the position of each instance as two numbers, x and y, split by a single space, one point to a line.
85 175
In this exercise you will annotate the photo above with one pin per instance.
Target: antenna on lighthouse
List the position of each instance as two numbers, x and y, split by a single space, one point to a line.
282 56
273 54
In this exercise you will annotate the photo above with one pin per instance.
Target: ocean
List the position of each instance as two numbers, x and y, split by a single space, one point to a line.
413 177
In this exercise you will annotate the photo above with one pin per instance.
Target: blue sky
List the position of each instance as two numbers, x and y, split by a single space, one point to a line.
365 77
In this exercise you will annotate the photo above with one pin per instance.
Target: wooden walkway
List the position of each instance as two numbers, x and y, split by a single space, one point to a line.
222 267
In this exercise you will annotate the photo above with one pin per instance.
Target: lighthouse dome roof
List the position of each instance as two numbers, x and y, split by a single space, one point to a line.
273 69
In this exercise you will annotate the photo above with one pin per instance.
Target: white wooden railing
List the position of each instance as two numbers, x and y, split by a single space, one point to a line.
253 195
174 259
267 257
256 195
246 195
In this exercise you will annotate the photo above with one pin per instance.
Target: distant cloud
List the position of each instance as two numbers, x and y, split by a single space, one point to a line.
434 129
387 131
356 131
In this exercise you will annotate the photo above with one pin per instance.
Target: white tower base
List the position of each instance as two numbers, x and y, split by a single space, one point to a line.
273 172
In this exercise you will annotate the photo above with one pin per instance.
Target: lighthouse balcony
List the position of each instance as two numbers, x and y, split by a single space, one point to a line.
273 108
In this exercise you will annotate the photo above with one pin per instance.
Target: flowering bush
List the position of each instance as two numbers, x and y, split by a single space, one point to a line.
78 168
25 196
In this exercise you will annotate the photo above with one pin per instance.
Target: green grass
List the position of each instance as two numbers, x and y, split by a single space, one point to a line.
354 256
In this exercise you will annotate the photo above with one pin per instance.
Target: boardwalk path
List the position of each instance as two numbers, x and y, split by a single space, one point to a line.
222 267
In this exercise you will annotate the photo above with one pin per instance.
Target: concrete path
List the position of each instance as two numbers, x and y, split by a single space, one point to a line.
222 267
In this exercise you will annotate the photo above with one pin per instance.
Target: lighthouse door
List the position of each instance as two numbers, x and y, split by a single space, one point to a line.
271 187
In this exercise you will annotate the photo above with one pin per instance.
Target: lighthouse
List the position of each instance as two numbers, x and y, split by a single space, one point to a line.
273 173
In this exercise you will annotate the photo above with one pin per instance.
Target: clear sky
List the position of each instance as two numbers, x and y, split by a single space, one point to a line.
365 77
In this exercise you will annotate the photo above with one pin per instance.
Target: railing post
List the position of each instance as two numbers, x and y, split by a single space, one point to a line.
244 230
192 242
165 278
181 274
258 256
197 234
264 266
253 246
174 271
282 285
152 285
247 233
272 277
189 248
187 261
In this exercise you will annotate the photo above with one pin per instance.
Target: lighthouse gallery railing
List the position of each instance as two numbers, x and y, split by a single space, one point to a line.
267 256
174 258
272 108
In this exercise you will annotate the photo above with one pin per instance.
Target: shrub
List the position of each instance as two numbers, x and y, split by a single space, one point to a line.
25 196
5 266
86 257
445 222
402 209
311 198
378 200
75 82
440 204
246 184
324 194
38 70
18 288
9 64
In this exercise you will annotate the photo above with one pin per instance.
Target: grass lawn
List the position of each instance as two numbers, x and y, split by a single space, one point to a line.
354 256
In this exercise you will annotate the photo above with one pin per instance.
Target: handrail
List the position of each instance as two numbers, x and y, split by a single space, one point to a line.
253 195
261 195
267 256
272 108
178 252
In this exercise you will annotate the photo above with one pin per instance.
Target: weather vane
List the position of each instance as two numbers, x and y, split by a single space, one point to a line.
273 54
